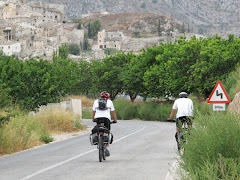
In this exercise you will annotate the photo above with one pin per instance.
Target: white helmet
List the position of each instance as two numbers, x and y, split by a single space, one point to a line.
183 95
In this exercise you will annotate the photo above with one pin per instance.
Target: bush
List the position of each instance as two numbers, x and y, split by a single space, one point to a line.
214 136
74 49
126 110
87 113
143 5
150 111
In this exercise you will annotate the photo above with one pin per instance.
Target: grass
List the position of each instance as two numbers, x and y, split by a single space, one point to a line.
25 131
232 83
212 151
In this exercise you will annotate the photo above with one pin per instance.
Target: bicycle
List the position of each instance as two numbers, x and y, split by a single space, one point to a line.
181 136
101 138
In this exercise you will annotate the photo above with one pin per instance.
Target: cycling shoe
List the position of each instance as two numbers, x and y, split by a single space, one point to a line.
107 153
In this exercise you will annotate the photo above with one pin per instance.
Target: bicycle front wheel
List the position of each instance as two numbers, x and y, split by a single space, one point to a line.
100 148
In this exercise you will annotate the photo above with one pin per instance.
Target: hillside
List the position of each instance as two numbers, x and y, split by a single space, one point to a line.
205 17
146 24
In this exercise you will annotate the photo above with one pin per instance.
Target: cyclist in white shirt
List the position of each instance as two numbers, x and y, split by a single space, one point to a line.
184 108
103 111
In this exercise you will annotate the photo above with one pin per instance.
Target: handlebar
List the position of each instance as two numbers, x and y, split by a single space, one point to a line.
172 120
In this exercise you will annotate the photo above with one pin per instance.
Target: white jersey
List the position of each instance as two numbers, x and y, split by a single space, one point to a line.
103 113
184 107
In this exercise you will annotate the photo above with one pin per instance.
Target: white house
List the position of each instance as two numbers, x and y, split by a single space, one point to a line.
9 48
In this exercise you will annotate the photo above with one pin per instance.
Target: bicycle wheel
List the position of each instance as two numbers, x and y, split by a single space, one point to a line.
100 148
104 153
180 141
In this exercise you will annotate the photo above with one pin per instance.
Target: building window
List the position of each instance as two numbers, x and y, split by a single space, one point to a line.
99 40
55 17
115 45
8 47
101 46
105 46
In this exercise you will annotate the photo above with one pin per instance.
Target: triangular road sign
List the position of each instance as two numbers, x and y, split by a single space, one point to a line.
219 94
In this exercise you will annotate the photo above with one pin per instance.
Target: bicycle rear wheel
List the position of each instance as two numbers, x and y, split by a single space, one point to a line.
100 148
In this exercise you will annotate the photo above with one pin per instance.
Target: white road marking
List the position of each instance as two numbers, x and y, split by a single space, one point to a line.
75 157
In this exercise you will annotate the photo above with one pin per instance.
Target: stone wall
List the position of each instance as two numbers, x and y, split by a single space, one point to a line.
73 105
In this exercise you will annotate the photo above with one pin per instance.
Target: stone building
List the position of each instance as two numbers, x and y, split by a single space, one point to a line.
9 48
110 40
39 28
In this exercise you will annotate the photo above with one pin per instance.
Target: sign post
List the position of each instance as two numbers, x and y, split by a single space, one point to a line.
219 97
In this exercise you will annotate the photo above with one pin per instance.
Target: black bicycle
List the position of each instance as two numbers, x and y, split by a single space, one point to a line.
101 136
181 136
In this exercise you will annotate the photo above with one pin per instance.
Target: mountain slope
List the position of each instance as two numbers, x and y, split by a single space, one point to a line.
205 17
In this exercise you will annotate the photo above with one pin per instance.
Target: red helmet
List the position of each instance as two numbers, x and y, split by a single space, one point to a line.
104 94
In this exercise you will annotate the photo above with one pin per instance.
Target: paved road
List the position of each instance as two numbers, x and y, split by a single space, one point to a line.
141 150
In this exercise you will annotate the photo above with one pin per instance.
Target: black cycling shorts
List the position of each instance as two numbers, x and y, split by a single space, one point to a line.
106 122
183 119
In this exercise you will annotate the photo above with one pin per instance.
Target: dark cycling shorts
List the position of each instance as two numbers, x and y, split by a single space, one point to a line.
106 122
183 119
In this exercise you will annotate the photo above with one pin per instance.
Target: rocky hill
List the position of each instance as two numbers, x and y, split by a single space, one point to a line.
204 17
143 24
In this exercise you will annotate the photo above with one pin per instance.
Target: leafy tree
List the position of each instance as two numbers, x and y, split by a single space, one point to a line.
159 28
106 74
85 45
63 51
183 28
83 83
93 28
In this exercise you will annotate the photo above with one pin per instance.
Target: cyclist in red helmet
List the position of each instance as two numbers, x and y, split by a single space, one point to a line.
102 109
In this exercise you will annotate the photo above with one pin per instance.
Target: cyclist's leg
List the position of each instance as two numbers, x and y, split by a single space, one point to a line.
189 122
178 127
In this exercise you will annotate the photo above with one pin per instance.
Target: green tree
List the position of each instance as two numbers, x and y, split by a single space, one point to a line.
93 28
159 28
106 74
63 51
85 45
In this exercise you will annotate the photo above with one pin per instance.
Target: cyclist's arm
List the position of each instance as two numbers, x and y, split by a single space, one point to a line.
172 114
114 116
93 114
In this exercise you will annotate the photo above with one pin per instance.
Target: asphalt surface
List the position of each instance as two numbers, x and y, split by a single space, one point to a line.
141 150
